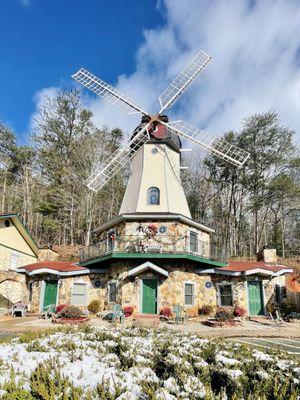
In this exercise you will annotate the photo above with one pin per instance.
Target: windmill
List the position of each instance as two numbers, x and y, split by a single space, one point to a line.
157 125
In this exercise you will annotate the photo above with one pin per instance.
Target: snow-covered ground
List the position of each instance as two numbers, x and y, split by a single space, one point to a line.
134 363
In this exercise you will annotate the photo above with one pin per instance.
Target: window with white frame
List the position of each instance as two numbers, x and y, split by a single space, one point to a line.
225 295
153 195
193 242
189 294
112 292
79 294
14 260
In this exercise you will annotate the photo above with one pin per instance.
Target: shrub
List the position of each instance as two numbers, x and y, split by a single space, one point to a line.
60 307
206 310
223 315
166 312
239 311
94 306
71 312
128 311
287 307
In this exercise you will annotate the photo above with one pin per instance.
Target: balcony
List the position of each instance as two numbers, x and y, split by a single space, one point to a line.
164 244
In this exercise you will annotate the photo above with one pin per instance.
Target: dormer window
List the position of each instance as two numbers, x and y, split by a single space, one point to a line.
153 196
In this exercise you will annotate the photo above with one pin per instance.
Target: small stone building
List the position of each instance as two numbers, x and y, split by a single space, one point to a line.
17 248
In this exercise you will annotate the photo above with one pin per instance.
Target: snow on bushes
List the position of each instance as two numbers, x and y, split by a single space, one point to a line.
134 363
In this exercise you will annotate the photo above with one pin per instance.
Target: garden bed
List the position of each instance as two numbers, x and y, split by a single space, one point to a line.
71 321
213 323
134 363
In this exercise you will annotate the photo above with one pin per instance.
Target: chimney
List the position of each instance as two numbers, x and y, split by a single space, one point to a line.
267 255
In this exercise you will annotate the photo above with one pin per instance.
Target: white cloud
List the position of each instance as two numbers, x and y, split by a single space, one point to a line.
255 67
25 3
40 100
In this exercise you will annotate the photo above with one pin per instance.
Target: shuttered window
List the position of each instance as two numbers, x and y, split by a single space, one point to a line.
189 294
79 294
112 292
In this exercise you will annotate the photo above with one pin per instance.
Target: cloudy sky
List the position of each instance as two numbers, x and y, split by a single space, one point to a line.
255 67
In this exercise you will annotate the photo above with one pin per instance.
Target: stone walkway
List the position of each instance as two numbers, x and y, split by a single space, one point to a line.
253 328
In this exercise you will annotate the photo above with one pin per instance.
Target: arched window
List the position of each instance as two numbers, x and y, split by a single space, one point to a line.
153 196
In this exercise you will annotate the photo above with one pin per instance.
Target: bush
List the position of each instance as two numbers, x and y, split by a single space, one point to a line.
94 306
287 307
166 312
128 311
60 307
71 312
206 310
239 311
223 315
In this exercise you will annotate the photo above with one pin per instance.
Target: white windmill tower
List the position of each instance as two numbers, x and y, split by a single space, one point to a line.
154 149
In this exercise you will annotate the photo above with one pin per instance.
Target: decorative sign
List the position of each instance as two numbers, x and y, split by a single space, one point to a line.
97 283
162 229
208 284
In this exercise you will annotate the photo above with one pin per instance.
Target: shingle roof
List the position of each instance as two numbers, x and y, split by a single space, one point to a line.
241 266
60 266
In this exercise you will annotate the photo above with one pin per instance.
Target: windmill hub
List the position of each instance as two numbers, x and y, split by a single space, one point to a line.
159 133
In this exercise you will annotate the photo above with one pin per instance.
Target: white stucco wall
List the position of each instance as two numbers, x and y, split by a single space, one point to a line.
161 170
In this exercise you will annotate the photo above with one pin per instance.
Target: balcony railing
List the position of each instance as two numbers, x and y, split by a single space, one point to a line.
164 244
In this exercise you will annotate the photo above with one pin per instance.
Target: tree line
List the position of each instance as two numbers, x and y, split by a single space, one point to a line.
254 206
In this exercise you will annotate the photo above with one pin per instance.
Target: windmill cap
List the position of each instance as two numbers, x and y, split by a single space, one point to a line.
171 138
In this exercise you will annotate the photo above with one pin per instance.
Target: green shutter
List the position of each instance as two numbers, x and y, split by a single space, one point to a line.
149 301
255 298
50 294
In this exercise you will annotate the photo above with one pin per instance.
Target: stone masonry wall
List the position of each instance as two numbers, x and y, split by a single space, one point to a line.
172 236
170 289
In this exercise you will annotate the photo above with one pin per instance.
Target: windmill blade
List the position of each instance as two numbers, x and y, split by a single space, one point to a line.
217 146
118 160
183 80
108 92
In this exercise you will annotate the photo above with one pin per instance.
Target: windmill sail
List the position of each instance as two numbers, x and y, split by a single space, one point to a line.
183 80
118 160
107 91
215 145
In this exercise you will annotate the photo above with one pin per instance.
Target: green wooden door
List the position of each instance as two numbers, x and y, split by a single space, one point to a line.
255 298
50 293
149 302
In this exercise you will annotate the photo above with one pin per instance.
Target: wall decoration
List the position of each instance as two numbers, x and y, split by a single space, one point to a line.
208 284
97 283
162 229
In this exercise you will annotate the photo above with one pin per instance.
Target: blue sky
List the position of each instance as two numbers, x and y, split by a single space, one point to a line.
42 42
140 46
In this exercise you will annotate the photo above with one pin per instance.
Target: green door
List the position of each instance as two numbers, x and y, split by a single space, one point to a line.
50 293
149 304
255 298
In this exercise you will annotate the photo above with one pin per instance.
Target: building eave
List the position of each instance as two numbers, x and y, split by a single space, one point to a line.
254 271
22 230
145 266
152 216
154 256
42 271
